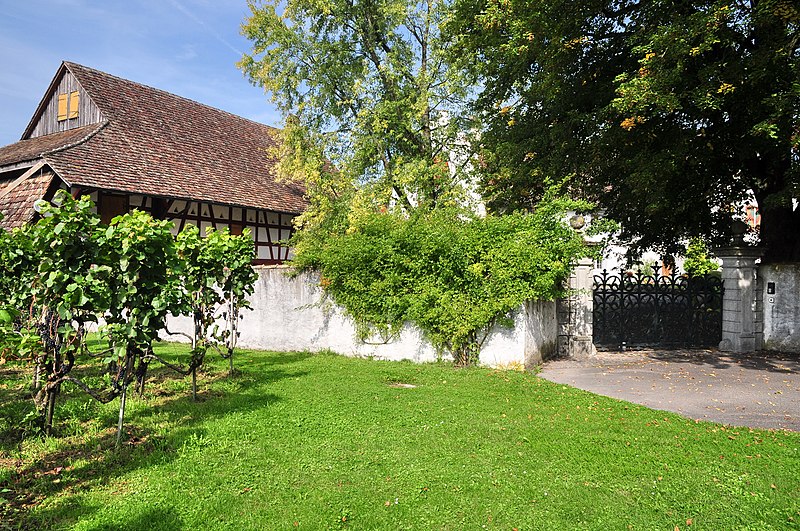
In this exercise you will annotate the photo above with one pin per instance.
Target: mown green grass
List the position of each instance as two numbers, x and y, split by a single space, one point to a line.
328 442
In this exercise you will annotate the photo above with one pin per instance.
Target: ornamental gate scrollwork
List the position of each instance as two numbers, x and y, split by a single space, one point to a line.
639 310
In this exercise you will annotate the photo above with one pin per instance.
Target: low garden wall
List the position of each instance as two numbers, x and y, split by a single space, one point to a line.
291 314
779 292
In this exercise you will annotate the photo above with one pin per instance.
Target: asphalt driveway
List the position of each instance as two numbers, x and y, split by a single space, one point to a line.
759 390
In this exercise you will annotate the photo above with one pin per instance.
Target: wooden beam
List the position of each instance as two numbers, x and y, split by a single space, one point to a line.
19 180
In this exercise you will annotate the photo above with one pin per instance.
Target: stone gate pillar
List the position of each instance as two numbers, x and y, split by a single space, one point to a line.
581 344
575 314
742 319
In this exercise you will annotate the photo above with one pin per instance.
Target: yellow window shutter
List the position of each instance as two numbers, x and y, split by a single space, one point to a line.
62 107
74 100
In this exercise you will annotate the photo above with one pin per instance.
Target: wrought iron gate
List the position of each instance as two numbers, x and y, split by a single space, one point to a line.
636 310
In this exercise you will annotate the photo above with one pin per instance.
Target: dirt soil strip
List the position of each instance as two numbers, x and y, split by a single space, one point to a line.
759 390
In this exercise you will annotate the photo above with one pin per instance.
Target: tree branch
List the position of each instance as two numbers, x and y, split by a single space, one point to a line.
177 368
101 395
187 336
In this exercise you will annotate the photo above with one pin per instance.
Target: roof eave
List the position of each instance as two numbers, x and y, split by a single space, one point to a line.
19 165
78 184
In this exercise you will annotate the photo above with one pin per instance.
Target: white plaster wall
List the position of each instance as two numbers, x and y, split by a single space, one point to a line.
291 314
781 309
541 332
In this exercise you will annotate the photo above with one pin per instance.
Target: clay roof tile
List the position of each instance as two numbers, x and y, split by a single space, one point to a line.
161 144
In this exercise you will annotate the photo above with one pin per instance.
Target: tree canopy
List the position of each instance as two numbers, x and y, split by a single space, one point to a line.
377 130
666 113
371 103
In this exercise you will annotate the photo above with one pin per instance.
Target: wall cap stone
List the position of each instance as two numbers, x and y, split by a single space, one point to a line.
738 251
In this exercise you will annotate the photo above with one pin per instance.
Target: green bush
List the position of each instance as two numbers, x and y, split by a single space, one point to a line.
453 276
697 262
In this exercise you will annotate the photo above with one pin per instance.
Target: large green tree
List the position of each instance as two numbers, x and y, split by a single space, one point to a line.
666 113
376 129
371 103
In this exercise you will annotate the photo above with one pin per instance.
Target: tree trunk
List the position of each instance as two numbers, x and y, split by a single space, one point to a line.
195 341
233 322
49 409
37 375
128 375
52 392
141 377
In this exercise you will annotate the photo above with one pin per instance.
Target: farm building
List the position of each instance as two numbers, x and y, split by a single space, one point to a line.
130 146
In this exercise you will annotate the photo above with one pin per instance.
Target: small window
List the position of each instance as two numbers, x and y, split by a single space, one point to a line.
68 105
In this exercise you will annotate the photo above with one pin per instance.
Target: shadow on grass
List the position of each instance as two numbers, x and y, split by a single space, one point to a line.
149 519
153 519
84 462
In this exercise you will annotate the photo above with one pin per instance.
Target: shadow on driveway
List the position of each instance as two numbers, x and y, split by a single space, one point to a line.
758 390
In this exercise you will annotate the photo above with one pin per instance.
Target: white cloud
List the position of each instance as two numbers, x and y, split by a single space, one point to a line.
187 53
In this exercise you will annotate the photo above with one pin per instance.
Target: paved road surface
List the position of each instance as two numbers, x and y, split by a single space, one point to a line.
758 390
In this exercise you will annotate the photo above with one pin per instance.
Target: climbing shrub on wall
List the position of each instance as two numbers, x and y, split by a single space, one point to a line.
454 276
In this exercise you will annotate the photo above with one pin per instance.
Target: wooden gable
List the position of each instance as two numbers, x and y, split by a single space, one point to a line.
66 106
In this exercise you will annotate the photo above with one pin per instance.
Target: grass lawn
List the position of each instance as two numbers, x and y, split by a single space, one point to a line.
328 442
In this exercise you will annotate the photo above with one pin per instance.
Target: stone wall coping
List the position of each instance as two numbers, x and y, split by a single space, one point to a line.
272 266
738 251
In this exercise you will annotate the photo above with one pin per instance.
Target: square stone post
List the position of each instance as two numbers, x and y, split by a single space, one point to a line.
582 310
741 311
575 313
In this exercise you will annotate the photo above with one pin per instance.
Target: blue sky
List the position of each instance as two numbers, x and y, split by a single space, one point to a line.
187 47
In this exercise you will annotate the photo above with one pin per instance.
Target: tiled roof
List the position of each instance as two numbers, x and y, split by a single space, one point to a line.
17 205
161 144
34 148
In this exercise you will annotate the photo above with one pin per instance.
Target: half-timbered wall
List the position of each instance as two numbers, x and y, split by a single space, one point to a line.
267 228
88 113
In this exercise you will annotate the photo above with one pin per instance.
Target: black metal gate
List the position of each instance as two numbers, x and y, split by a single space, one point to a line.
636 310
